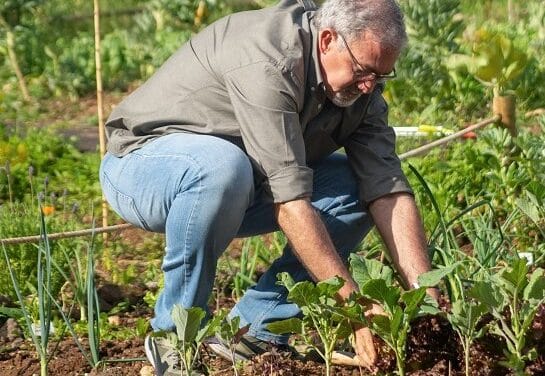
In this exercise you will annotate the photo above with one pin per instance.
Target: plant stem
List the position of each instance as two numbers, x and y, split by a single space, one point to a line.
467 344
400 362
43 364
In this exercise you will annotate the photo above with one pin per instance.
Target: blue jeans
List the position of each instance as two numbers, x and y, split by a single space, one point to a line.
199 190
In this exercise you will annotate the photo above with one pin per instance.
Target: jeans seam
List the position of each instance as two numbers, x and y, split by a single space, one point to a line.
107 181
188 231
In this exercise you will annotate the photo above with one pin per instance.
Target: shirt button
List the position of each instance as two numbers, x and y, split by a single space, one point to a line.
312 88
320 106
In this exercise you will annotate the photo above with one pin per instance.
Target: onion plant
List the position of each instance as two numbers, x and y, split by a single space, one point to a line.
45 300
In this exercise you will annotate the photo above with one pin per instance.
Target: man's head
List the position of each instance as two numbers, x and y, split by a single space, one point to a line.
358 44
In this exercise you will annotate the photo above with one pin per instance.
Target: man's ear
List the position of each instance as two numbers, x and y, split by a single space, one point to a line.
326 37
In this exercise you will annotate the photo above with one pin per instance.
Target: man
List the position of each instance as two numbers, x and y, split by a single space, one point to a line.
234 136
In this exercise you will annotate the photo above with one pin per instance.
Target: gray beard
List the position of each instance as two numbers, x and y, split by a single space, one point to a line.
344 99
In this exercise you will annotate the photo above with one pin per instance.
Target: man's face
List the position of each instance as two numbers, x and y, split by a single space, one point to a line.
350 69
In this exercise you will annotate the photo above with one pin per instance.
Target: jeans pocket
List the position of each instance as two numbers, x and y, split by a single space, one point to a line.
122 204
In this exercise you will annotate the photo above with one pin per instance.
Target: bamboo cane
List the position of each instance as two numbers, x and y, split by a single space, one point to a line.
100 108
10 41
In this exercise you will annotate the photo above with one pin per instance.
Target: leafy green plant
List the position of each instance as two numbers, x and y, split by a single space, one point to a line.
464 318
515 291
400 307
495 60
230 331
190 333
322 312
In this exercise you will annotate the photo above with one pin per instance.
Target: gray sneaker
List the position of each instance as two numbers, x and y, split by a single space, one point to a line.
246 349
164 358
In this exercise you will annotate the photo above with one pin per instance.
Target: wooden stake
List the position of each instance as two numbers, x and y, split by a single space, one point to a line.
100 109
504 106
343 358
10 42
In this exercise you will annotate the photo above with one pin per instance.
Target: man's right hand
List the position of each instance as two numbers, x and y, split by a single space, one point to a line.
364 347
363 338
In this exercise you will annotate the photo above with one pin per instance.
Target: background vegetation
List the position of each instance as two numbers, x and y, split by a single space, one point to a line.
481 196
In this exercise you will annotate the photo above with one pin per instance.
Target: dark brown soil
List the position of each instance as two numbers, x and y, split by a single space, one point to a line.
432 350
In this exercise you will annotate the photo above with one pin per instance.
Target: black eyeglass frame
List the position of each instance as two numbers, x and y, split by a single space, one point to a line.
362 73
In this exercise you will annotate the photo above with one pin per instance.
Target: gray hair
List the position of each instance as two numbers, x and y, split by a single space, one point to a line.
383 19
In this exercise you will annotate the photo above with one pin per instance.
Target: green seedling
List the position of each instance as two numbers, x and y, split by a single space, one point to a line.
322 312
464 317
400 307
230 331
516 291
189 335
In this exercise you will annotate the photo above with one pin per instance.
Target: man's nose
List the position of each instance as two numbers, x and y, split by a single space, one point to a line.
366 86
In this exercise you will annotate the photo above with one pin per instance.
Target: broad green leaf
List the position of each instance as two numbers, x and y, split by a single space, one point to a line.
330 286
485 293
529 207
382 326
536 286
378 290
230 328
11 312
433 277
516 274
304 294
397 321
365 269
412 300
211 326
465 315
292 325
187 321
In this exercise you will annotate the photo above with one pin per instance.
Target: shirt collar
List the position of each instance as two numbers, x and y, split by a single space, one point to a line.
315 81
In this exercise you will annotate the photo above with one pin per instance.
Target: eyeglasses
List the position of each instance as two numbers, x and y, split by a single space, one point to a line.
364 74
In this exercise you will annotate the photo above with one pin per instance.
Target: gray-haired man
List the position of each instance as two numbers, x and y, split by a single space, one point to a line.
235 136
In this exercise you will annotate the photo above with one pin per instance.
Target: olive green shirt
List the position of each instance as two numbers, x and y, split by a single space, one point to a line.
254 79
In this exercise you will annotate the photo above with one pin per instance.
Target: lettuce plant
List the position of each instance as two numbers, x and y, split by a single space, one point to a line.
520 293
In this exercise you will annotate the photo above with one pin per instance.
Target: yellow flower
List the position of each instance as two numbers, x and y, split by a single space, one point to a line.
48 210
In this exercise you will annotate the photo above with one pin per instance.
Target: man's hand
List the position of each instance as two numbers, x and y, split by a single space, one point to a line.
364 347
363 338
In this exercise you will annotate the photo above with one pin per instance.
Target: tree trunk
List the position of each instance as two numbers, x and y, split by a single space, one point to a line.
10 39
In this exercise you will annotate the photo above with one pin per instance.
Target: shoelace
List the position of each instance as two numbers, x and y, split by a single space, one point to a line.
173 360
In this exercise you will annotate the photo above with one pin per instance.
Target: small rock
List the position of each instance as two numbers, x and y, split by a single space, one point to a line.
13 330
114 320
152 285
147 371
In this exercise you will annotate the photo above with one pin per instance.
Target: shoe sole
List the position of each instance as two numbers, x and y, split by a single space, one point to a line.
223 351
149 353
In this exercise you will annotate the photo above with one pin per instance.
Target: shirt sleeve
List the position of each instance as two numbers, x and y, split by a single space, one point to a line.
371 153
266 100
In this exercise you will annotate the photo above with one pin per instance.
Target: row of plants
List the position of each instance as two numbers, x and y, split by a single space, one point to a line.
480 236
